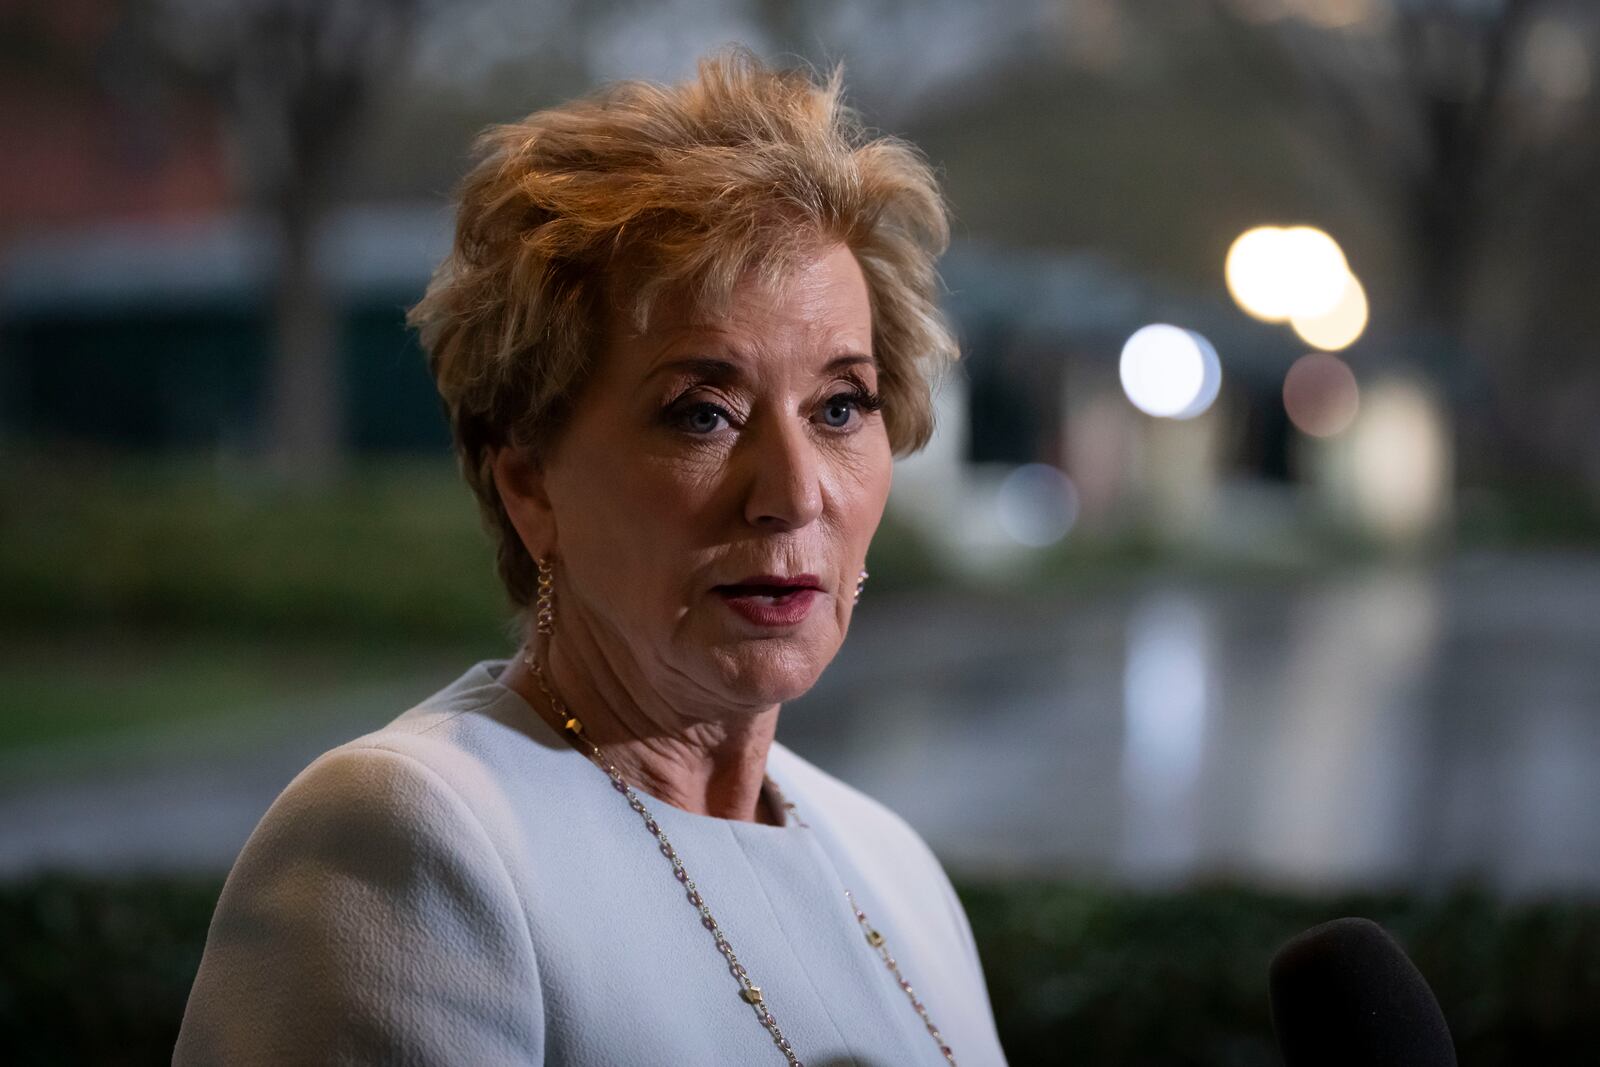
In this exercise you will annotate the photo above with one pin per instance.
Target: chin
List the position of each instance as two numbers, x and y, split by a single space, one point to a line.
773 671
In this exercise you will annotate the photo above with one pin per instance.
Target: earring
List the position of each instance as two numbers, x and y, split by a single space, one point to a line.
860 582
545 607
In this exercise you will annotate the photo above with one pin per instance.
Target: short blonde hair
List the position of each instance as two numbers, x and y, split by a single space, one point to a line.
639 189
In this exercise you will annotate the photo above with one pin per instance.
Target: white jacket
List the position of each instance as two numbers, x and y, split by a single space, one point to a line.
464 887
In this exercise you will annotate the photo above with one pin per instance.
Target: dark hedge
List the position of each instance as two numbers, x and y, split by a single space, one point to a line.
1094 977
97 971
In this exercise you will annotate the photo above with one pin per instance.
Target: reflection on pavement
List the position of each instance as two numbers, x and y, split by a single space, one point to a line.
1383 727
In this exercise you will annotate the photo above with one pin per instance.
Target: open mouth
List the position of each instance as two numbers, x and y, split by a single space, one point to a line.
764 594
772 600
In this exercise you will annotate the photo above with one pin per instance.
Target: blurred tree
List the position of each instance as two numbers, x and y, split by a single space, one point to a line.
1468 120
299 79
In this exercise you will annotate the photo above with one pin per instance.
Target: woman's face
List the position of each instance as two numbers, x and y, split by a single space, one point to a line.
709 459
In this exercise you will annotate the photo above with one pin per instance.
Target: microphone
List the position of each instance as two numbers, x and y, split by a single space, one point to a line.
1344 994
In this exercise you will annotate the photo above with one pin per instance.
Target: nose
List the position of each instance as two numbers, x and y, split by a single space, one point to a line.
785 492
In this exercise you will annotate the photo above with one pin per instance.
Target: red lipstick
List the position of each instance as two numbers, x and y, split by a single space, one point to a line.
772 599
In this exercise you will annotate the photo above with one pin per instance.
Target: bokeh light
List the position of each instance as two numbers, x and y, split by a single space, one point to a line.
1276 273
1170 372
1336 14
1320 394
1324 14
1037 505
1557 61
1401 458
1166 686
1251 271
1340 325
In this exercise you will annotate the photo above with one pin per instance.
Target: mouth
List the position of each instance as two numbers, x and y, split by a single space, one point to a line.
771 600
770 588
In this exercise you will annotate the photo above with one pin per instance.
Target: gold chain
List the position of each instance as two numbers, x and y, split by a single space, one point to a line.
876 940
748 990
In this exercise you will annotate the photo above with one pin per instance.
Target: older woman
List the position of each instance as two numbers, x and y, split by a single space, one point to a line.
682 333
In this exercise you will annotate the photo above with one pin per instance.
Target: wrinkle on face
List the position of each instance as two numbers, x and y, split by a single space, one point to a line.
648 518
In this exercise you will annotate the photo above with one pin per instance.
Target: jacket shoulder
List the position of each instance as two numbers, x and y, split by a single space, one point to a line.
366 896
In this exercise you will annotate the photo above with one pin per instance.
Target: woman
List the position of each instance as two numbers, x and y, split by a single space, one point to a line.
680 337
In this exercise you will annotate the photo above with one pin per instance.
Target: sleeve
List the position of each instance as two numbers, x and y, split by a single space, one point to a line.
969 944
369 919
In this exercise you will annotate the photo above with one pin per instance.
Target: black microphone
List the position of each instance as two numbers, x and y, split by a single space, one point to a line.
1345 995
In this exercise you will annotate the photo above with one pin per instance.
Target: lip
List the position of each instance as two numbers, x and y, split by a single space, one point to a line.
807 581
786 609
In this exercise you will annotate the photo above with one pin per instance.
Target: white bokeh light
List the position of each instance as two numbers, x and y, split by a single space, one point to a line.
1166 688
1320 271
1254 274
1037 505
1277 273
1170 372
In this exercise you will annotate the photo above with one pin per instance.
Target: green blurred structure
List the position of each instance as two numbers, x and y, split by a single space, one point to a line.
98 972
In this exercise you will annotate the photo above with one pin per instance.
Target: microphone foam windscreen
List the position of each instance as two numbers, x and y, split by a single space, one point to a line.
1344 994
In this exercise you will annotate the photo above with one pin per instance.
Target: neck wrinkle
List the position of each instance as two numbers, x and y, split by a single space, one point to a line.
706 766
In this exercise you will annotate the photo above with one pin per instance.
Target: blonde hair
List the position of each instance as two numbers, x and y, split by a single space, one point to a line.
640 189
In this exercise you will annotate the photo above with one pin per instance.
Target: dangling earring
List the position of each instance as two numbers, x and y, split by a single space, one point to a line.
860 582
545 607
545 614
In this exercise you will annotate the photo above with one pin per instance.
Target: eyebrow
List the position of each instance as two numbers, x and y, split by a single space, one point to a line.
725 370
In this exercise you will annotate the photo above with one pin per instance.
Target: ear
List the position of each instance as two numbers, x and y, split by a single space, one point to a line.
520 482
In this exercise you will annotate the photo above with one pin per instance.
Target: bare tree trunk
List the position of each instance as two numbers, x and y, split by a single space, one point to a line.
305 393
305 77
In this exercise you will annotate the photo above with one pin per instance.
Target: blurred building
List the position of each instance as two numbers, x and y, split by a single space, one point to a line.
156 335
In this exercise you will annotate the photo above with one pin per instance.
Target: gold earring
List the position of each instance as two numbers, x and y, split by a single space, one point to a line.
545 607
860 582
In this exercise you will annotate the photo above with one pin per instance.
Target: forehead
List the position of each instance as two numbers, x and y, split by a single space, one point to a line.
817 306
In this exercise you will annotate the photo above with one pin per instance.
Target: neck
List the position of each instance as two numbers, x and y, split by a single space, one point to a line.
708 761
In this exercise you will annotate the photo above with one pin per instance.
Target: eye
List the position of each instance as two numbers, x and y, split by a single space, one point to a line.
837 409
701 418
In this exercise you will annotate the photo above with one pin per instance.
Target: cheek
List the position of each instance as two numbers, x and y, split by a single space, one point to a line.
863 490
622 484
633 523
860 492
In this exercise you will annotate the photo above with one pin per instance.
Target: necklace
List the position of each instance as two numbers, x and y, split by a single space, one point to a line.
749 992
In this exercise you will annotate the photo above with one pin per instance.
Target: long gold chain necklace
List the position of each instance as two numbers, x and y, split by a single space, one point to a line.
748 990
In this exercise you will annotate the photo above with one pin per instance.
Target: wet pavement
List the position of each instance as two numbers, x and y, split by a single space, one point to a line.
1390 727
1394 727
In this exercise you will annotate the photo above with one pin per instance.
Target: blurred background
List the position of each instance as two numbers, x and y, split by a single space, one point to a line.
1252 578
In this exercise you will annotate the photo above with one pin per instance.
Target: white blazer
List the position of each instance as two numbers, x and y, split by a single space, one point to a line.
465 887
